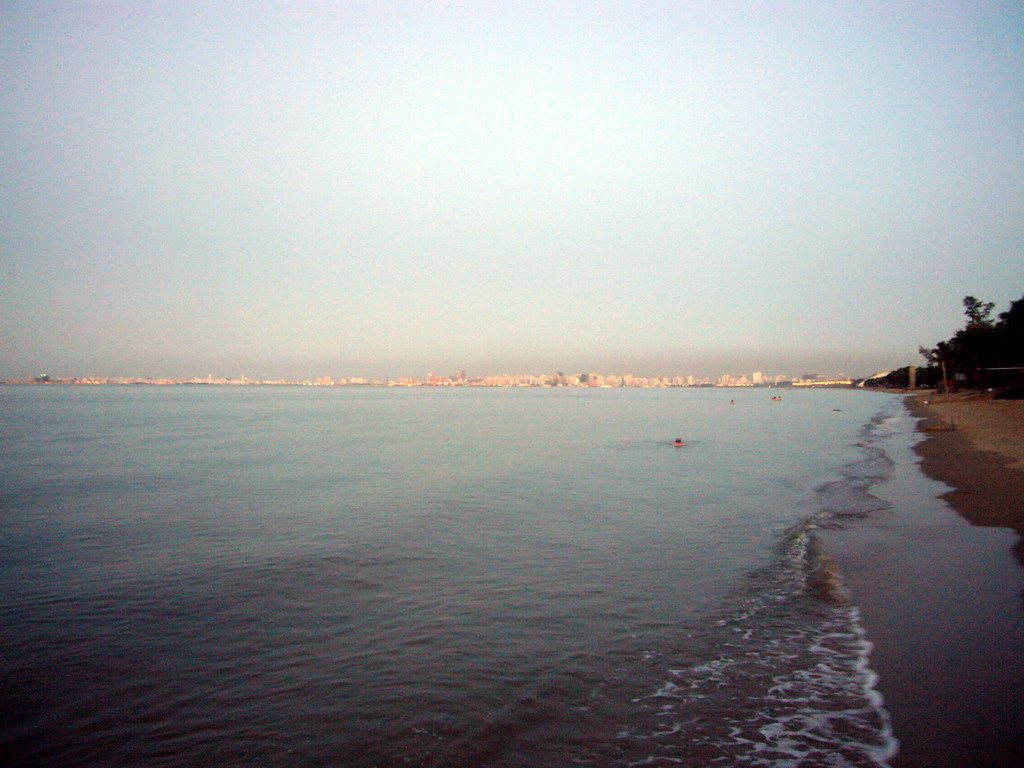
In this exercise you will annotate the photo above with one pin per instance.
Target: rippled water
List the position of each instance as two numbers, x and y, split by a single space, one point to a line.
432 577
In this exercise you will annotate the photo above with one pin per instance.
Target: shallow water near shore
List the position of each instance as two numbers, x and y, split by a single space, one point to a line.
430 577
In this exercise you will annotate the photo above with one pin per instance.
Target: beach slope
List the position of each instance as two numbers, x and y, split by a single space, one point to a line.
937 578
976 445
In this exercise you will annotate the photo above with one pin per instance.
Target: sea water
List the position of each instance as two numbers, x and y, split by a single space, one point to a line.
356 576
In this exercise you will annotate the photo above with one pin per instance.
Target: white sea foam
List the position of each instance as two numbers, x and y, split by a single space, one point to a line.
794 674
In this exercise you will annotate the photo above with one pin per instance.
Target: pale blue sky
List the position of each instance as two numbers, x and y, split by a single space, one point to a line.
390 188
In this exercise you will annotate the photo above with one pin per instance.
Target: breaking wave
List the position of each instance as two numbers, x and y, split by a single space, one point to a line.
782 678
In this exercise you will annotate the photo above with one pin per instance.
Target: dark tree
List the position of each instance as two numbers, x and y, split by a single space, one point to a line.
978 313
978 354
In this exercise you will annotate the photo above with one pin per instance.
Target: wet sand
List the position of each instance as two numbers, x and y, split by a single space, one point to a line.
939 582
976 445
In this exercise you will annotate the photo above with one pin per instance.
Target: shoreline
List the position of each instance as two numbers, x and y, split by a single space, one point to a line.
937 579
976 445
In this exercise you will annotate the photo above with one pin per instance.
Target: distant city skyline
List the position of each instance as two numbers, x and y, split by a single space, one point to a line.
231 366
560 379
463 378
388 188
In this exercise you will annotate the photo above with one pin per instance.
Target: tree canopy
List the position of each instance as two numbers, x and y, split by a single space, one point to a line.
985 351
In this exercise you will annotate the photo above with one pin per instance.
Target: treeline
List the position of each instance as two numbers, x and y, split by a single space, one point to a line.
986 352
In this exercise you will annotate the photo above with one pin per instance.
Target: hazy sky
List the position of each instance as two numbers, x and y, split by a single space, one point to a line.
390 188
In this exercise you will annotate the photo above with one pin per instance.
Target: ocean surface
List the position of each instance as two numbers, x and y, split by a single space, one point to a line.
289 576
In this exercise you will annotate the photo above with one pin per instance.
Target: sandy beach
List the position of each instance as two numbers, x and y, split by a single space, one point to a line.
976 445
939 581
995 426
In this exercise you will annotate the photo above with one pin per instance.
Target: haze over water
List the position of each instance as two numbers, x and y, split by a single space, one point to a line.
364 576
290 190
390 187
